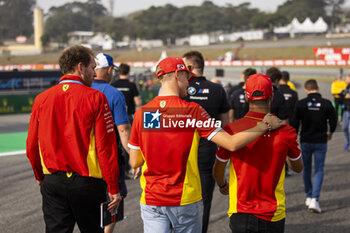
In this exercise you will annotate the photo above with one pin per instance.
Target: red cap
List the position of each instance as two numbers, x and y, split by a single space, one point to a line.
258 82
172 64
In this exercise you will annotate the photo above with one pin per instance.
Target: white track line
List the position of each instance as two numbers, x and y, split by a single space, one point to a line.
19 152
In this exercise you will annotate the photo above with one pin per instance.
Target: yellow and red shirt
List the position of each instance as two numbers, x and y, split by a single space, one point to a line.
167 131
257 171
71 130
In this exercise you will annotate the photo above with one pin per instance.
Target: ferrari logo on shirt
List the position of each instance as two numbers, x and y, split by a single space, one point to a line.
162 103
65 87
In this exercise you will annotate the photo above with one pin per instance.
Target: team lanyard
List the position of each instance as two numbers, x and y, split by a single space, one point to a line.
70 81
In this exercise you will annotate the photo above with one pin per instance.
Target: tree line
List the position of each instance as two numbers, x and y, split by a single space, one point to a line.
164 22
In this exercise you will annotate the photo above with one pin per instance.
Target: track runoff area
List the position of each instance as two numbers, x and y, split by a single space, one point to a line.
13 143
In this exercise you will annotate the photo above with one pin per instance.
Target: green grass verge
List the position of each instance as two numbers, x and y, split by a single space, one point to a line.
13 141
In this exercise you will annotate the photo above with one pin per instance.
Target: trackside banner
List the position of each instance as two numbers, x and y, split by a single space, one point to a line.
332 54
336 61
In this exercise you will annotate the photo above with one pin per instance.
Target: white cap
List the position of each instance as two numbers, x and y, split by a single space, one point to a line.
104 60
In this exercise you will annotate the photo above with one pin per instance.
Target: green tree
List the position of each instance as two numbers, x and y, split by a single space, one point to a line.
336 11
302 9
239 17
74 16
208 17
155 22
16 17
65 22
170 22
265 20
45 40
120 27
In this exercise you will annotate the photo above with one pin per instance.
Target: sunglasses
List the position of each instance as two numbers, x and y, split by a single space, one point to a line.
190 67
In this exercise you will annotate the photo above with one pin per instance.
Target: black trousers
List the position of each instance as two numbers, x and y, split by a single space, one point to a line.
208 185
69 200
206 159
248 223
338 102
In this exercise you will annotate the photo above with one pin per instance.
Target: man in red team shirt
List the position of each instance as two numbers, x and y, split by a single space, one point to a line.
164 139
72 148
257 171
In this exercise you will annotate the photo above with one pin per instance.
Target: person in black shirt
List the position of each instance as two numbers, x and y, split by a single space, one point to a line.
346 113
131 96
237 100
315 114
212 97
290 96
240 85
278 106
129 90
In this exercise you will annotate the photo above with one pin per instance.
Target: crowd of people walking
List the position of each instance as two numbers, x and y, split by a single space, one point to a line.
83 141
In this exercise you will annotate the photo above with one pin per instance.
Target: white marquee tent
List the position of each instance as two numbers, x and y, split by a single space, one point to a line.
295 27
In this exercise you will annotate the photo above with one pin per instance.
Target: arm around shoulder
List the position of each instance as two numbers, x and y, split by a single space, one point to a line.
239 140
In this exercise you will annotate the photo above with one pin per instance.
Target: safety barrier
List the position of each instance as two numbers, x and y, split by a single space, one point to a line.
210 63
14 104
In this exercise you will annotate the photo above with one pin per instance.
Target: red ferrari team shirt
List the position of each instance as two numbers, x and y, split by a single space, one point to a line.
71 130
167 131
257 171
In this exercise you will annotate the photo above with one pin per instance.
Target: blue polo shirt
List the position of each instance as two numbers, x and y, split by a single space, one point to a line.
117 105
115 100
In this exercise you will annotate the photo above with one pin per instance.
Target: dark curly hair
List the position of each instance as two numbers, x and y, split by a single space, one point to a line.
247 72
275 74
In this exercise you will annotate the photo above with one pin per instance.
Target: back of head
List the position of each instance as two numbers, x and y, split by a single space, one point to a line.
169 65
285 76
72 56
124 69
311 85
258 88
197 59
248 72
275 74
